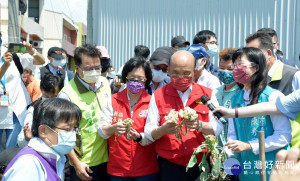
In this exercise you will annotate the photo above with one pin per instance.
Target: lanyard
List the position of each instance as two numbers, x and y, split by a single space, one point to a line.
4 78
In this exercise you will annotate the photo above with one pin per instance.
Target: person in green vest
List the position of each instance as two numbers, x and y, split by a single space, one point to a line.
250 69
88 90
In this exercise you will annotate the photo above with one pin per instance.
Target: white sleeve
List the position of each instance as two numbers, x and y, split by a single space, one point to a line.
22 142
33 170
216 124
282 130
145 141
106 117
296 81
37 73
63 95
230 136
153 119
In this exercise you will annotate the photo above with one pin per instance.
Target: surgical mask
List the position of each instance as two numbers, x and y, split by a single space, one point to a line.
135 87
66 142
240 75
181 83
111 74
212 50
158 75
198 64
182 48
226 76
91 76
57 63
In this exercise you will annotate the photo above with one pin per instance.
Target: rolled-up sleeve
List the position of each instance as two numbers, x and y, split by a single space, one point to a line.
216 124
106 117
289 105
153 119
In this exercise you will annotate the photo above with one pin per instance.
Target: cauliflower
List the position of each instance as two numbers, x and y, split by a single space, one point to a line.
128 123
172 117
188 114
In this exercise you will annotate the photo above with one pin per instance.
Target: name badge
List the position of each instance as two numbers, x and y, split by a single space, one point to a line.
4 100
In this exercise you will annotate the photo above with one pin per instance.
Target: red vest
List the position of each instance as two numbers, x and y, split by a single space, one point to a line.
168 146
129 158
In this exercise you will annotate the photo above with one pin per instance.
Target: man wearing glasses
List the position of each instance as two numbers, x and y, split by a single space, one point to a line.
181 92
88 90
159 63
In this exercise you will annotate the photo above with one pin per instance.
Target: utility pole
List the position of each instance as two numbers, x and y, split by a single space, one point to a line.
89 38
14 29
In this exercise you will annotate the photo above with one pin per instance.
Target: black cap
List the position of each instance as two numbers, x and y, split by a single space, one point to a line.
179 40
161 55
55 52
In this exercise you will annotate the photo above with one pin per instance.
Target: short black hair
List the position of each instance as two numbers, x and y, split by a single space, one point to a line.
50 82
203 36
141 50
265 40
269 31
86 49
136 62
53 110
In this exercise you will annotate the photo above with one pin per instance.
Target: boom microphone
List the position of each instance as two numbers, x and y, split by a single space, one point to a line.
205 100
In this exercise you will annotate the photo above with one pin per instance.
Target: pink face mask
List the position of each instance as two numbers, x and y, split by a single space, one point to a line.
181 83
240 75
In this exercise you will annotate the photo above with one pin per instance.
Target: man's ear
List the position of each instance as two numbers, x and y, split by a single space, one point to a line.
42 131
270 53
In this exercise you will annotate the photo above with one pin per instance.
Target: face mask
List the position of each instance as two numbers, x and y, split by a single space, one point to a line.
240 75
63 62
181 83
105 65
91 76
212 50
182 48
135 87
158 75
226 76
57 63
66 142
198 64
111 74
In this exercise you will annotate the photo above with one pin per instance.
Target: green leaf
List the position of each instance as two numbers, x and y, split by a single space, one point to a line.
193 159
216 168
203 176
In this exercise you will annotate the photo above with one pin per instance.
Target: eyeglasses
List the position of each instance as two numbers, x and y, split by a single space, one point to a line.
182 76
76 129
156 67
91 68
212 42
140 80
274 43
242 63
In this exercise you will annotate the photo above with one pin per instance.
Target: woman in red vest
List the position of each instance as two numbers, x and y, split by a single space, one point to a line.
131 155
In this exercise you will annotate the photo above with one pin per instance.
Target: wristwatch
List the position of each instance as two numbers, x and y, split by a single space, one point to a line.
200 126
139 138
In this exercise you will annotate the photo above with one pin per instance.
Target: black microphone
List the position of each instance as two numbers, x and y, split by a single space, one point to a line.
205 100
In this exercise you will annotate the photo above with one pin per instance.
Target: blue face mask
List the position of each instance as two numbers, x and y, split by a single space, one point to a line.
212 50
66 142
226 76
158 75
182 48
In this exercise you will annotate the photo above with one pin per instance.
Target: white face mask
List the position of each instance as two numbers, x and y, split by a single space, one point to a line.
198 64
91 76
212 50
56 62
158 75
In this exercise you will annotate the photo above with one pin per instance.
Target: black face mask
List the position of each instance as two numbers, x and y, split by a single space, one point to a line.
105 63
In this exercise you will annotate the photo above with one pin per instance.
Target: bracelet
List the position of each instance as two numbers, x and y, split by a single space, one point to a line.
139 138
200 126
236 112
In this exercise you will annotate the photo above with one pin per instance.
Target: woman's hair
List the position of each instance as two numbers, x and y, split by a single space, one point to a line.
137 62
259 78
53 110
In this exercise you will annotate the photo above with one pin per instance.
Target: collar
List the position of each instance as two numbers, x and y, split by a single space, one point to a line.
48 153
273 68
85 87
52 70
278 71
233 89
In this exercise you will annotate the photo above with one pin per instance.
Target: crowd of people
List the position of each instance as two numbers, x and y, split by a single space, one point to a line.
61 125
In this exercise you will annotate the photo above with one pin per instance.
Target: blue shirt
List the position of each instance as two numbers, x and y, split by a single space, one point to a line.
289 105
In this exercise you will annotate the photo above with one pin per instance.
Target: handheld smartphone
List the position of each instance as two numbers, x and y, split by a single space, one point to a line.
16 48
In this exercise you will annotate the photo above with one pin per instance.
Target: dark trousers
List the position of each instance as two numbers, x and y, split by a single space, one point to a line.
151 177
99 173
172 172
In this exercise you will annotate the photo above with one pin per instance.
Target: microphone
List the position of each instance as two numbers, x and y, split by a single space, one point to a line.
205 100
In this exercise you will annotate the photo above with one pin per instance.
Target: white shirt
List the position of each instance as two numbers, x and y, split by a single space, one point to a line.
29 167
153 118
107 117
281 125
208 80
296 78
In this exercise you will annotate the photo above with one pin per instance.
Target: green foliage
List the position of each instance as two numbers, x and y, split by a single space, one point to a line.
218 157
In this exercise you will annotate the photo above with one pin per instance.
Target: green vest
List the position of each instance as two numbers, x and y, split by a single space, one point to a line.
295 142
247 129
94 147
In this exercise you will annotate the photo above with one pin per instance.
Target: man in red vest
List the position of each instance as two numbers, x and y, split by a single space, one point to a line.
181 92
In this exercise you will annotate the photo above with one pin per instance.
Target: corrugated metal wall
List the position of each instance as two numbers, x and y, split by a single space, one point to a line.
119 25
